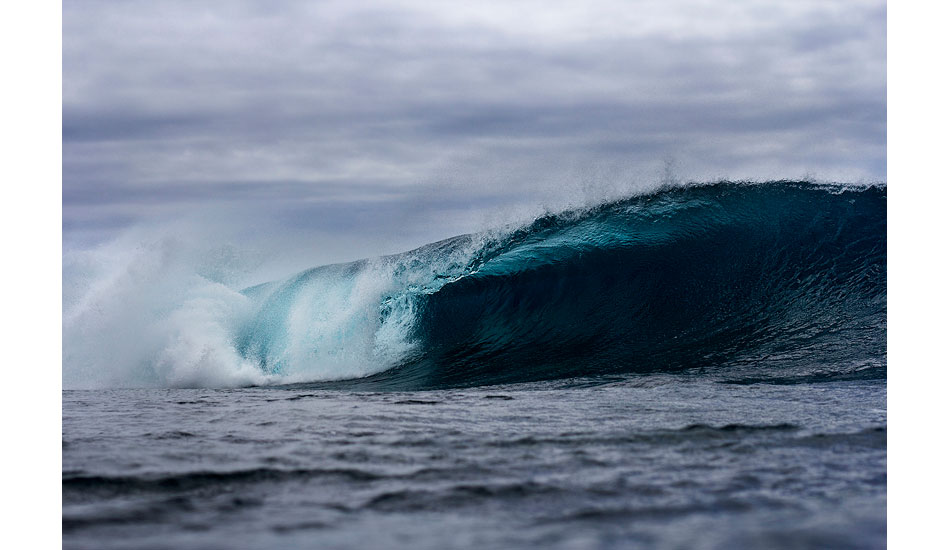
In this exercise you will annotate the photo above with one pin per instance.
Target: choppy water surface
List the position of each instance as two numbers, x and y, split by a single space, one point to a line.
664 461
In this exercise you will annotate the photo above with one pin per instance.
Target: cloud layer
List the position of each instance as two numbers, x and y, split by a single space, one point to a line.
374 118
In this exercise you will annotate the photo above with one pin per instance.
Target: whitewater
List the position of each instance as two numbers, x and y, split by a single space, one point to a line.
697 366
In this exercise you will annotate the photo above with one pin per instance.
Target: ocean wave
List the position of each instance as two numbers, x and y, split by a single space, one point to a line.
779 279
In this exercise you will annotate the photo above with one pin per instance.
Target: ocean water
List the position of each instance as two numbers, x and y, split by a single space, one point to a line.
696 367
655 461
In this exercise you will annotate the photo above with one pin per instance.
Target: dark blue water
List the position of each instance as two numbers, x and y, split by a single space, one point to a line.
699 367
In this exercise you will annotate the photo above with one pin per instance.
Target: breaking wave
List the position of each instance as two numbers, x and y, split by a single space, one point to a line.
774 281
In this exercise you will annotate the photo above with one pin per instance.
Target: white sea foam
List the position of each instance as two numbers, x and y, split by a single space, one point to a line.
143 311
159 307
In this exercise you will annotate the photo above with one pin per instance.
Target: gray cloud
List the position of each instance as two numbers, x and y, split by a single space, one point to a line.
379 110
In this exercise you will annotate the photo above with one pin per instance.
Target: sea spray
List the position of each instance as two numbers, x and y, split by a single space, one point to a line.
145 310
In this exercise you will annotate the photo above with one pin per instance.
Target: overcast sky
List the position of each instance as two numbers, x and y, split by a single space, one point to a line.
375 126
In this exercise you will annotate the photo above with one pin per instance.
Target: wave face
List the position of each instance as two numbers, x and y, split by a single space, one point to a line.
781 282
766 281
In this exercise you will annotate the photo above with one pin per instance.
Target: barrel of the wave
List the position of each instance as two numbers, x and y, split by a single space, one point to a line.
771 280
